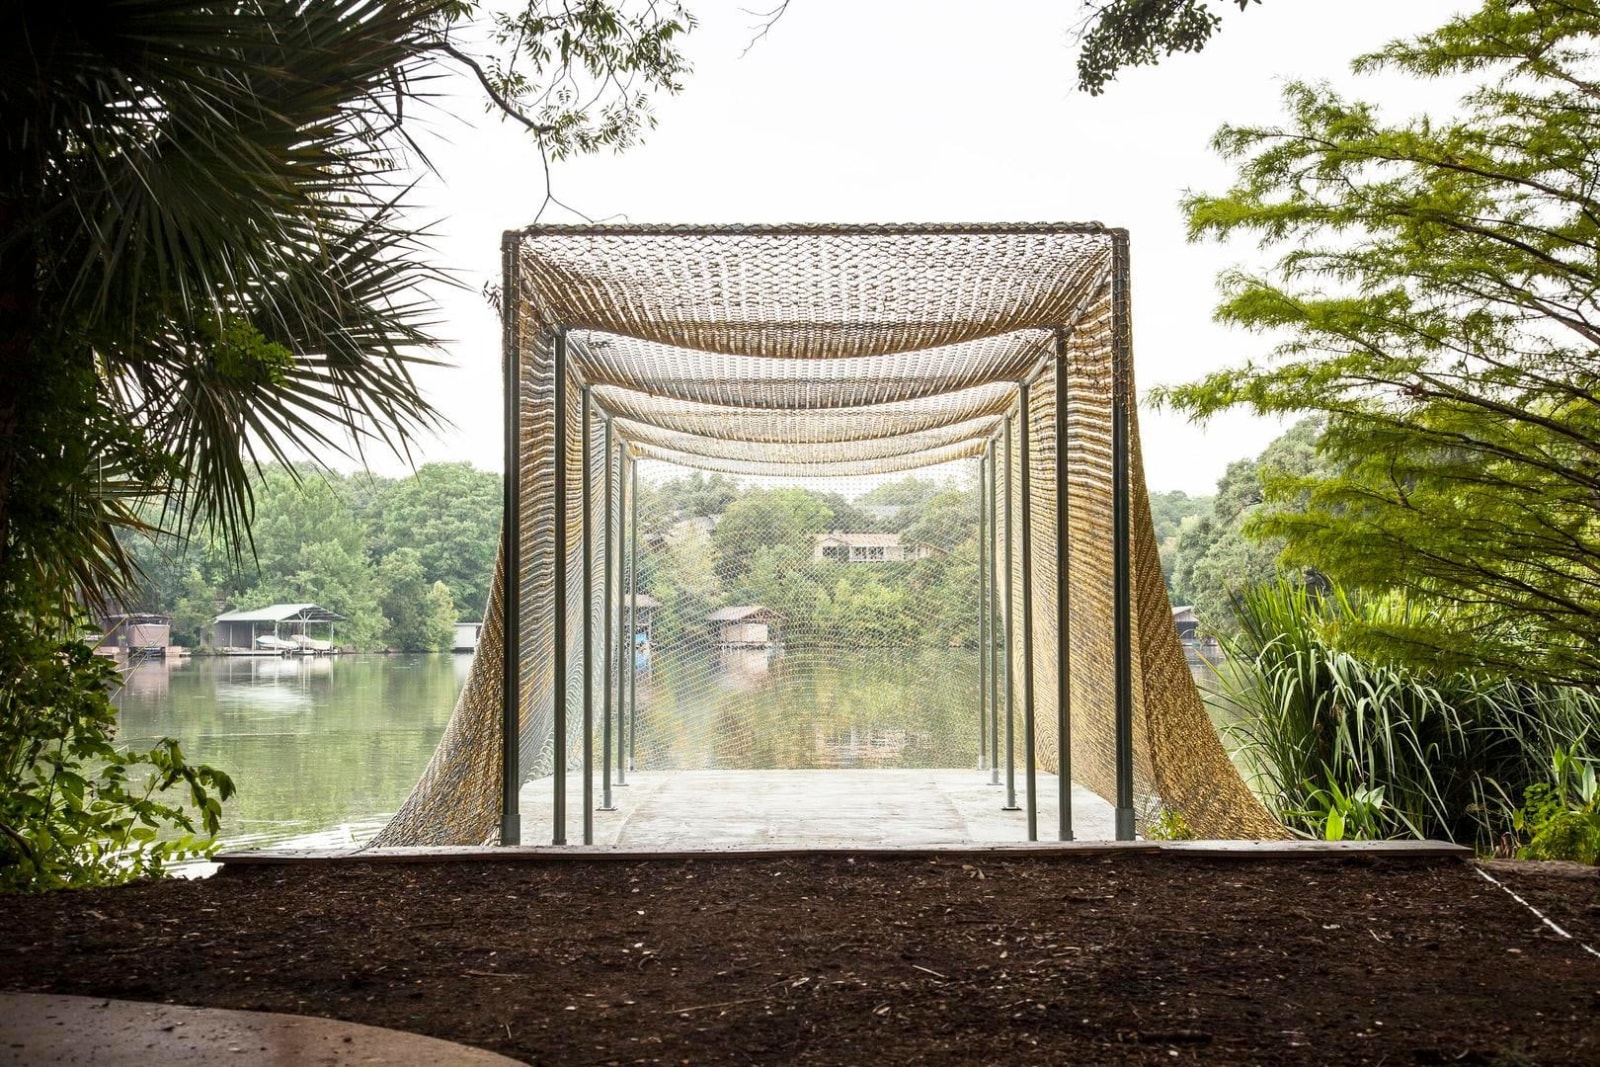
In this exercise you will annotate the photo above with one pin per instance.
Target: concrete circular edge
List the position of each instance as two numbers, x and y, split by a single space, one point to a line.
41 1029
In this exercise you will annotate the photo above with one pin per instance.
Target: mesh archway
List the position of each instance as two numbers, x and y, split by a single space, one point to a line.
780 352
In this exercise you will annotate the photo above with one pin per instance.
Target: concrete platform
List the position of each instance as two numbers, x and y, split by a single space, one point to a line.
675 810
36 1030
665 815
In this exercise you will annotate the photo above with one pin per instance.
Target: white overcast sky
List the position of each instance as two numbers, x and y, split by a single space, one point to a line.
925 111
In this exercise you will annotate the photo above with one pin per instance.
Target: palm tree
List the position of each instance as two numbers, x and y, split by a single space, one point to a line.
200 259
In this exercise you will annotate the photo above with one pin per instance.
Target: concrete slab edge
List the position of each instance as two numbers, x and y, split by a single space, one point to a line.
1213 850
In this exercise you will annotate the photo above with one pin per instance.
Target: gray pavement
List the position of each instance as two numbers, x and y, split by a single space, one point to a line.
38 1030
669 810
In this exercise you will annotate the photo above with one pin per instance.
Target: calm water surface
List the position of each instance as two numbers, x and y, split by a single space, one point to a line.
324 746
748 709
325 749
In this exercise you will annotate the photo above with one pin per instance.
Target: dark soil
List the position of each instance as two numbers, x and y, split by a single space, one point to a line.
1136 959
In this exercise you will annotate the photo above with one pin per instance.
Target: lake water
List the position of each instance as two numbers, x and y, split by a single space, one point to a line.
747 709
323 750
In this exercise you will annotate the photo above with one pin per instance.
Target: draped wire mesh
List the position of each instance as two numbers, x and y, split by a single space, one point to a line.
824 360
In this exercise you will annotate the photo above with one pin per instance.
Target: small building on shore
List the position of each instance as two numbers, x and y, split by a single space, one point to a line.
1187 623
747 625
277 629
466 637
128 632
645 607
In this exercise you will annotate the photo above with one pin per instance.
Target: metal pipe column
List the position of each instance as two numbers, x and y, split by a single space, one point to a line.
633 615
1122 564
606 628
989 602
585 444
983 622
558 621
510 573
1011 574
623 587
1028 738
1063 605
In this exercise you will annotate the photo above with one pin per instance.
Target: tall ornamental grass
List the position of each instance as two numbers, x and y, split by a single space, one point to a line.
1333 742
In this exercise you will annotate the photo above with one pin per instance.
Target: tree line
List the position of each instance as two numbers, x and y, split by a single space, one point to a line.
402 559
708 542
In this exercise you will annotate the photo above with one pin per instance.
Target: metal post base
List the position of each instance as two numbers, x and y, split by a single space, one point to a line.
606 807
1125 824
1011 807
511 829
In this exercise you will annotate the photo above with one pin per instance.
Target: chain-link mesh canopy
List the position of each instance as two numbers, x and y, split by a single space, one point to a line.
827 352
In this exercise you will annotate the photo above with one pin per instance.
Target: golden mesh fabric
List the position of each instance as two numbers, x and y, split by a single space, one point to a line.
825 381
833 351
777 468
804 425
809 453
811 292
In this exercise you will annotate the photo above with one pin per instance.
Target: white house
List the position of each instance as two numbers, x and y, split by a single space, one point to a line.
1187 622
841 547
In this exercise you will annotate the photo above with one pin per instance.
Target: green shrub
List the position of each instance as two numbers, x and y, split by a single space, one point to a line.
1568 835
1168 825
1561 817
74 808
1335 815
1332 740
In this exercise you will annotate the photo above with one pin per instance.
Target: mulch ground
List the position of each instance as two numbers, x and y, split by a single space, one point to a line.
1132 959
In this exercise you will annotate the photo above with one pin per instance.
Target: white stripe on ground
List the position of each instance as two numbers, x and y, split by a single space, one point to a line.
1542 916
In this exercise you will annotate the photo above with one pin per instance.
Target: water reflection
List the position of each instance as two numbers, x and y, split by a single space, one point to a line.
317 745
323 749
743 668
745 709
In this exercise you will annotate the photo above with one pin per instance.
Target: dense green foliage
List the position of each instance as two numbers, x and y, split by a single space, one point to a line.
75 809
202 254
1435 298
386 553
1560 817
1433 306
1171 510
1213 556
201 258
1336 743
759 549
